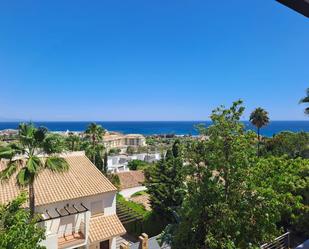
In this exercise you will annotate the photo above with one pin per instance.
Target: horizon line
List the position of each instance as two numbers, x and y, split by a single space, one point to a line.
102 121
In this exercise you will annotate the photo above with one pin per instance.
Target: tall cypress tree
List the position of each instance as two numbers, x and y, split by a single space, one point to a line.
176 149
169 155
105 163
164 184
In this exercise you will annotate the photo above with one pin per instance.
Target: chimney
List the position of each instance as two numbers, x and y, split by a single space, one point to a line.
143 241
124 245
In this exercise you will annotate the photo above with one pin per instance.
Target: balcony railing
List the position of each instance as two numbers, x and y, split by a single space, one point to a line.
73 236
281 242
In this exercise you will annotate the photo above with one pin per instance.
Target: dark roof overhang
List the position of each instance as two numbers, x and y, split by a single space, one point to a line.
301 6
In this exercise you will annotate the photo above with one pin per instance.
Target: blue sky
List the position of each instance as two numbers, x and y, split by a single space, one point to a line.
150 60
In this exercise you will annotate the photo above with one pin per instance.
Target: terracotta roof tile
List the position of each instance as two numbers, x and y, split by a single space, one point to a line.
104 227
82 179
131 179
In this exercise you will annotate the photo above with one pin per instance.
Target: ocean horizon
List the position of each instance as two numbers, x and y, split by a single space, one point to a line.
159 127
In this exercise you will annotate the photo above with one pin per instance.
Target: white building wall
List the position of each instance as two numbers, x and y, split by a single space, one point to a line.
113 243
56 227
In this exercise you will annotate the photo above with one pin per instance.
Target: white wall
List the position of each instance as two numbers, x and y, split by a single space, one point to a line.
56 227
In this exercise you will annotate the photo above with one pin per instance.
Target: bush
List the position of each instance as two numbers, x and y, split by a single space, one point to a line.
114 179
114 151
139 193
137 165
17 228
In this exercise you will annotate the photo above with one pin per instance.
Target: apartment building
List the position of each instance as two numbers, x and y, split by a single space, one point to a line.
118 140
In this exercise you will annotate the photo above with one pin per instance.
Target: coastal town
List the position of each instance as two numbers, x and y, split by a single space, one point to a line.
154 124
109 192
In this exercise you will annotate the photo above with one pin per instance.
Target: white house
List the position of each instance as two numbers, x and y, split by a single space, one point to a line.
119 163
78 207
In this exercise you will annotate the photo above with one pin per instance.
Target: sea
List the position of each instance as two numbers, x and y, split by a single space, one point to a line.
160 127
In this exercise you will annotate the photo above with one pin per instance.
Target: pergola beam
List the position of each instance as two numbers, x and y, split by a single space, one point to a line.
68 212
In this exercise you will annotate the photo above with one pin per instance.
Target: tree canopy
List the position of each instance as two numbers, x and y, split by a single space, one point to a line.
17 229
291 144
165 185
94 147
32 142
234 199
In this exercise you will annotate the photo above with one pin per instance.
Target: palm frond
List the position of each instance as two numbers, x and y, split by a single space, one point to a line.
7 152
259 117
26 133
56 164
24 177
10 169
34 164
18 149
304 100
40 134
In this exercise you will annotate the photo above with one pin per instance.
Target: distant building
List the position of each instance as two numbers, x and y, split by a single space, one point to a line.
118 140
78 207
8 134
119 163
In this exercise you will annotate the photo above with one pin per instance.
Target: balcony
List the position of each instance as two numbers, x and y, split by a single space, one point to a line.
66 227
72 237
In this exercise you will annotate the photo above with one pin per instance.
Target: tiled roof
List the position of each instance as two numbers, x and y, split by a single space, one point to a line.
104 227
134 136
81 180
131 179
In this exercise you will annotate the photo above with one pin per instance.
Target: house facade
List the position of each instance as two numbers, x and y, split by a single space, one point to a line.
78 207
118 140
119 163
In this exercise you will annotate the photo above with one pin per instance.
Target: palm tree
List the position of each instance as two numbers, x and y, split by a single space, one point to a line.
24 158
305 100
95 133
73 141
259 118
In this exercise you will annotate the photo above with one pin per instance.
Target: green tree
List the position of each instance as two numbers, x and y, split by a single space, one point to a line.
292 144
105 163
114 151
18 229
137 164
169 155
72 142
259 118
222 208
31 143
94 150
305 100
288 179
165 184
176 148
54 143
130 150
